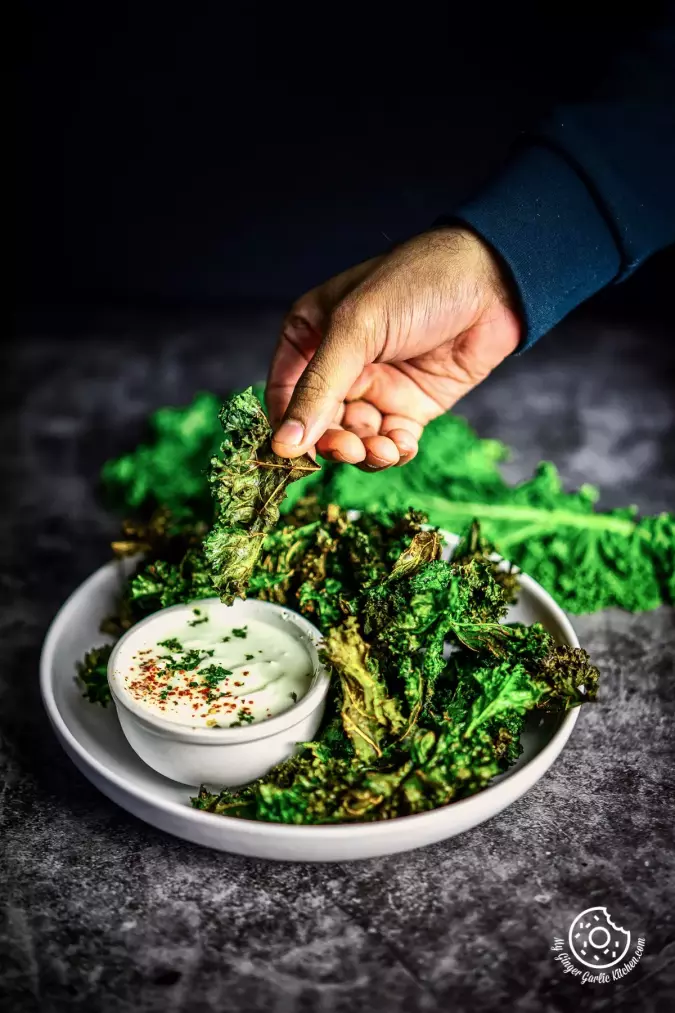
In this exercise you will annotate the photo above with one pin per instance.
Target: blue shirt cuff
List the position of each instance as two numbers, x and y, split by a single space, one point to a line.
541 218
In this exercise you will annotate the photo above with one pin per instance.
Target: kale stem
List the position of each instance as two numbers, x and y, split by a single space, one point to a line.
536 515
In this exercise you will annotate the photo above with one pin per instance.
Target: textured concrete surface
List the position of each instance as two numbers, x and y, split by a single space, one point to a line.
103 913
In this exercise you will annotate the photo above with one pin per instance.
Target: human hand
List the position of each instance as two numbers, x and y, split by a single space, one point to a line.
368 358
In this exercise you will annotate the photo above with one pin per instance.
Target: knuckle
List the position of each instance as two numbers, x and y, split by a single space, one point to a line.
302 315
300 307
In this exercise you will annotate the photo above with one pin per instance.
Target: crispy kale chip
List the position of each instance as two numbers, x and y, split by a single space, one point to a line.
163 536
248 481
434 769
588 559
163 583
431 687
473 545
92 675
407 728
177 571
370 714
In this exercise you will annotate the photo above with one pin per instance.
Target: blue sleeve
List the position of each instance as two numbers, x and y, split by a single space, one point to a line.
590 194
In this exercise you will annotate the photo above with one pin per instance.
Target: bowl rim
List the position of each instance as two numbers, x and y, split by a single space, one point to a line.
280 723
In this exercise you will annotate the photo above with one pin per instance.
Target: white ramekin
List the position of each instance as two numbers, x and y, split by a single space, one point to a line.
223 756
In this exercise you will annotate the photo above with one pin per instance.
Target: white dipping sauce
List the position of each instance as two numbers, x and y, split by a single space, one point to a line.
190 667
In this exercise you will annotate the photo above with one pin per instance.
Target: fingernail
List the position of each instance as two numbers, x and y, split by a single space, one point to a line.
291 433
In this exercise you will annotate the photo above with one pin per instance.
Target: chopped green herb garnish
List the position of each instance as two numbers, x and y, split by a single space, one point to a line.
249 657
294 696
241 632
171 644
198 622
245 717
213 674
189 660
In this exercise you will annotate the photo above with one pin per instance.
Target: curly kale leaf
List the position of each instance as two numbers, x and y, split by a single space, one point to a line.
177 571
465 601
321 565
496 698
163 536
554 678
369 712
435 768
410 620
248 482
163 583
92 675
169 470
564 676
567 678
425 547
474 545
588 559
406 728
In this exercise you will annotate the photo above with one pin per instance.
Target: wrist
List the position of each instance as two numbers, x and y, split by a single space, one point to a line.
494 281
487 264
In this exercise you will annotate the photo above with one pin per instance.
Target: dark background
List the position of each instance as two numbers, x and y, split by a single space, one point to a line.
197 156
180 179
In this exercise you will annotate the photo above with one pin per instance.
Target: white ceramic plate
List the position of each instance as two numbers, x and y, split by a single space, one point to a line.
93 739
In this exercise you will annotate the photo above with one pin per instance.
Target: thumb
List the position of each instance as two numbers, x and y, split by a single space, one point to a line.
331 372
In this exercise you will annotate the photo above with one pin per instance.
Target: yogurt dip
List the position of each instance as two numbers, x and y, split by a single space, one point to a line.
196 666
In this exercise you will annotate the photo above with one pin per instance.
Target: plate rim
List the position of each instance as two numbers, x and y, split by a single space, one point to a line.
72 745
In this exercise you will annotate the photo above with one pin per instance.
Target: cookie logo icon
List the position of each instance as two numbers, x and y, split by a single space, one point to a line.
596 941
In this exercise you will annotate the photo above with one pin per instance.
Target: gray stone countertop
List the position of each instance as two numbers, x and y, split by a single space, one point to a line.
104 913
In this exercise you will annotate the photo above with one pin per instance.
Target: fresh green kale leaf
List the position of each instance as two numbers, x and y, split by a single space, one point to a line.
587 559
169 470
